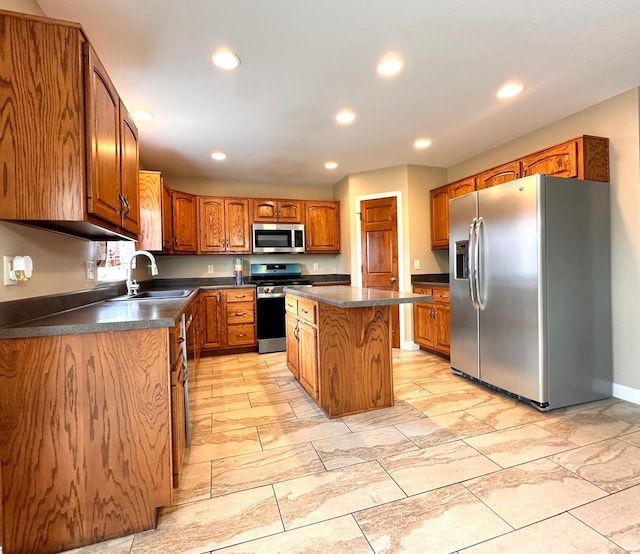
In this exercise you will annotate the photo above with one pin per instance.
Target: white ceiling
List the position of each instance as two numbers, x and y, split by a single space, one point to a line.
304 60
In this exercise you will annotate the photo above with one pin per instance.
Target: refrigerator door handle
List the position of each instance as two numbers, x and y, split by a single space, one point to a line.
470 262
479 230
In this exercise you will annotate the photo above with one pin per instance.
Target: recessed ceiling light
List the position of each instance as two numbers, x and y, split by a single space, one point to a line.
390 65
345 116
509 90
225 59
422 143
141 115
331 165
219 156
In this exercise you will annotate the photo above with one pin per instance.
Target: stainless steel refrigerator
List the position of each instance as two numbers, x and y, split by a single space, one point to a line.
530 275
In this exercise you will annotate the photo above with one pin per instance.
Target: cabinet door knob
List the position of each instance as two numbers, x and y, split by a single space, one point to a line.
392 280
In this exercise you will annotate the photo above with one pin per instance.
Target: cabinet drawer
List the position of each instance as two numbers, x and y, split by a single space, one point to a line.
241 334
291 304
423 290
240 312
240 295
441 295
307 310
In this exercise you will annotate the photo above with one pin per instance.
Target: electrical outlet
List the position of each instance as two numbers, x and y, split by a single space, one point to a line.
90 270
7 261
416 264
210 268
315 267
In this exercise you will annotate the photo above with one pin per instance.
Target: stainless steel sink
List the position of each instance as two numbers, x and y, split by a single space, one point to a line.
153 295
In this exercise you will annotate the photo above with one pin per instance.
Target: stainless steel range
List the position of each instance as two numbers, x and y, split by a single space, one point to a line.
270 281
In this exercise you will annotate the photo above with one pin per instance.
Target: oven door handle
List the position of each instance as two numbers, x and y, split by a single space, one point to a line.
272 295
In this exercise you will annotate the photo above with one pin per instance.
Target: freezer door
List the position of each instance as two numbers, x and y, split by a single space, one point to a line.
464 317
510 238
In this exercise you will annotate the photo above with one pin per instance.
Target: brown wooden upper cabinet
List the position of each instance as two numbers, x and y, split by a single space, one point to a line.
439 198
322 226
65 165
223 225
156 226
277 211
184 212
129 163
461 187
584 157
498 175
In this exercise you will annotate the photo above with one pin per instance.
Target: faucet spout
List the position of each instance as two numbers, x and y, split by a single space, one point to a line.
132 285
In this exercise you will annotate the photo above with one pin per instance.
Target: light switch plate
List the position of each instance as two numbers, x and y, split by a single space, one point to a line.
416 264
315 267
6 263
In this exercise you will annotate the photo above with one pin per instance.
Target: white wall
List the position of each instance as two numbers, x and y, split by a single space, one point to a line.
58 261
618 119
23 6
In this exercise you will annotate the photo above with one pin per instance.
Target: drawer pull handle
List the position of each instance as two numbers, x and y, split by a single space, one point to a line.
241 335
241 313
241 295
304 311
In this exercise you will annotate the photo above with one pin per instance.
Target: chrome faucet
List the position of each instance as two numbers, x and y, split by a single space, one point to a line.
133 286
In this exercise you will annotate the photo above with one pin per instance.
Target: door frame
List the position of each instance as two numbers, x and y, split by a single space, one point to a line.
404 345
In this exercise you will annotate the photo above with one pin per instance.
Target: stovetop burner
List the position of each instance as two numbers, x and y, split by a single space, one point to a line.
277 275
279 282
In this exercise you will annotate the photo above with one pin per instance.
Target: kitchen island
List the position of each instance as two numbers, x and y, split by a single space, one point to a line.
339 345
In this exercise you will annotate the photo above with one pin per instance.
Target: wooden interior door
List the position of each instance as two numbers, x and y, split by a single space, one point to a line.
379 239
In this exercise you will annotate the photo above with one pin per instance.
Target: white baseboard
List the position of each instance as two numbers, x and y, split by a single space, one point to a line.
409 345
626 393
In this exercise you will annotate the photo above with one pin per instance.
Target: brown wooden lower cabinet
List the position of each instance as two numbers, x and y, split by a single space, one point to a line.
86 447
431 321
178 443
343 368
228 319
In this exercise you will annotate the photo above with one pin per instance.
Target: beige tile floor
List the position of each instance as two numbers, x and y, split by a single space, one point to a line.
452 467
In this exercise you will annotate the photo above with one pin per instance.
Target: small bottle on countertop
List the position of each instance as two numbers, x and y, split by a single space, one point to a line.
237 271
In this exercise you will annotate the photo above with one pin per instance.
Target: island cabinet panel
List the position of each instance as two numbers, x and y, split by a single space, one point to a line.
85 422
342 357
293 349
355 359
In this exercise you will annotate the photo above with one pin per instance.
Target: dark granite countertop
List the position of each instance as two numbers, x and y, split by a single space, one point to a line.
431 280
429 284
112 315
104 316
353 297
94 310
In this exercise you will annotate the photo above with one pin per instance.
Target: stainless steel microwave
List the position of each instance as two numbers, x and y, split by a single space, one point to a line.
281 238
